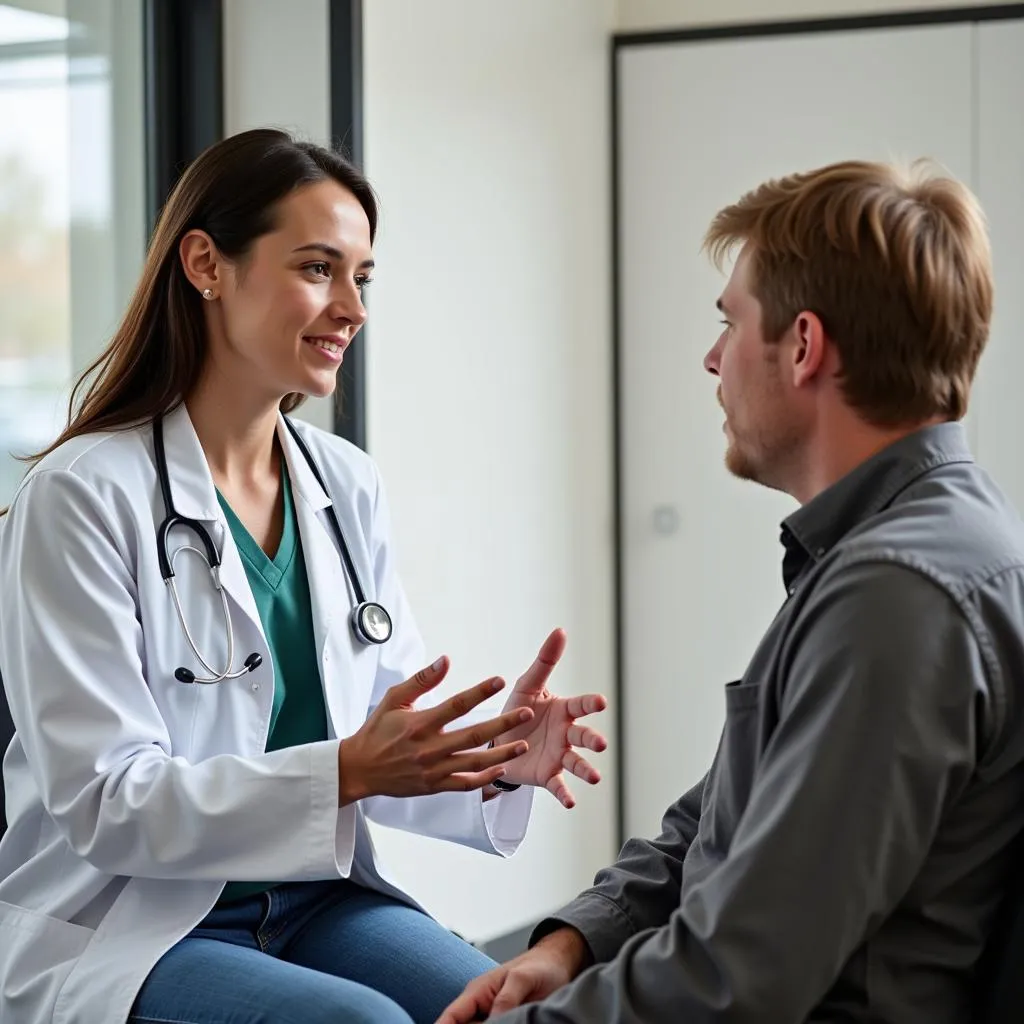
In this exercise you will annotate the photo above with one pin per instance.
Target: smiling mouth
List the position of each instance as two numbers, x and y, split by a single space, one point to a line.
327 344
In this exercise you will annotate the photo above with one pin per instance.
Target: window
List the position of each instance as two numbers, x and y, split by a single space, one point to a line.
72 203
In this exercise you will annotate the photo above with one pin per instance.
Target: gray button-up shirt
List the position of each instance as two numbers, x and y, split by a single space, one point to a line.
843 857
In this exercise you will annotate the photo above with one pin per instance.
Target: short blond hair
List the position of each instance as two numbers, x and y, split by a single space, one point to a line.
897 264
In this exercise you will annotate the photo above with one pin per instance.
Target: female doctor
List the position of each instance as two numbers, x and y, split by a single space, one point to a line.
211 665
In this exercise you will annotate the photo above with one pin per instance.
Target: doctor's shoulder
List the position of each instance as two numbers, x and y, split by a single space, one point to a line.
112 469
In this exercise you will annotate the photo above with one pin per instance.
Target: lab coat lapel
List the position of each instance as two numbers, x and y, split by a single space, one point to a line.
195 497
329 593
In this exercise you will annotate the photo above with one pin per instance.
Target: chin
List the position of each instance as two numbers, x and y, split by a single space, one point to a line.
321 386
742 467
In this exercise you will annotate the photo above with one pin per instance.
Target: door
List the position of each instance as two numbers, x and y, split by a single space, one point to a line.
701 123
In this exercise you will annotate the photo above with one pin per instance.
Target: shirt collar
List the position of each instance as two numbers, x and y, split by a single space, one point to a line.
815 528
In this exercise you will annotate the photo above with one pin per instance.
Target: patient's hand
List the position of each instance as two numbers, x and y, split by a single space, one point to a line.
533 976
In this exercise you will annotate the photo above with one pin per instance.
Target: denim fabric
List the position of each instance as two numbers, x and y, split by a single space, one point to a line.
310 953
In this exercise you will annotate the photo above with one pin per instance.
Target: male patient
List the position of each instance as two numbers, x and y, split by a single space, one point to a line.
843 858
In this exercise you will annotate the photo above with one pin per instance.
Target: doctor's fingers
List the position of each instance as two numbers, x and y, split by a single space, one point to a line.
466 782
580 767
404 695
549 655
473 762
587 704
583 736
560 791
461 704
481 733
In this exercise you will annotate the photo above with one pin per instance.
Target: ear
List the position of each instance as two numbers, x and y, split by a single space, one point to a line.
810 346
201 262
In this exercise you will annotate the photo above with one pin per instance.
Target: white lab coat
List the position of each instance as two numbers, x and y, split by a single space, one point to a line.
132 797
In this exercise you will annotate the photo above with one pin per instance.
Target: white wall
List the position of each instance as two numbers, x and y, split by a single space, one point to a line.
642 15
277 74
489 377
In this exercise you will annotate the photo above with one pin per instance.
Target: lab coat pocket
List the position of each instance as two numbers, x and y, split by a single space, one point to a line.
37 953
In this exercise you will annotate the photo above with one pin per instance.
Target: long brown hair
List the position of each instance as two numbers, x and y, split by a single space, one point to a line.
231 192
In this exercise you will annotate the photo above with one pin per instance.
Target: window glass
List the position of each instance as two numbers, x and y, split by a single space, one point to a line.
72 210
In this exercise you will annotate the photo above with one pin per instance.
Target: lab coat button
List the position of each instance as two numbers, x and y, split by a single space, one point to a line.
255 687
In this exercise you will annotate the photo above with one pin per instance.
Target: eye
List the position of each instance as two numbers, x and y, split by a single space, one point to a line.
727 324
362 280
318 269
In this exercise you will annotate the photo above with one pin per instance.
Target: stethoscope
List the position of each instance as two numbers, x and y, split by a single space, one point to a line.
370 621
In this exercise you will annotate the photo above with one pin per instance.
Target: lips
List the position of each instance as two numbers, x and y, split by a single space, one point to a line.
329 344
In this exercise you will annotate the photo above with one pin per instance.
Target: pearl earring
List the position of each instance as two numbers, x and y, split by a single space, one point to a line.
207 294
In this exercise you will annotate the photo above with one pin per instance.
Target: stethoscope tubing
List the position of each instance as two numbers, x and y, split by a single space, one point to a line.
365 634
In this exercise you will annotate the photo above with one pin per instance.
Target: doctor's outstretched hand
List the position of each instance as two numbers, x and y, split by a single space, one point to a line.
401 751
552 732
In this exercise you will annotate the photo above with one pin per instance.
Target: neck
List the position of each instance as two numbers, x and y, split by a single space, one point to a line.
842 442
236 430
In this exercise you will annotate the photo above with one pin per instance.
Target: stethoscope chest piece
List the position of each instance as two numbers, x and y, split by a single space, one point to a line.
371 623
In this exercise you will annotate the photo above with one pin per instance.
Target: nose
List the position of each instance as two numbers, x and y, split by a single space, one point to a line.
347 307
713 360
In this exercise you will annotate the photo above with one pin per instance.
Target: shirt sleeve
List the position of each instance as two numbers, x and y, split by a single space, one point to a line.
877 732
640 890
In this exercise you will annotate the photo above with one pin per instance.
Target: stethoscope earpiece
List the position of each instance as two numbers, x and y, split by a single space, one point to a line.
183 675
370 621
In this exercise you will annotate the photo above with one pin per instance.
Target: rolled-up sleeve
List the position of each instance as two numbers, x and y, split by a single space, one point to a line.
877 732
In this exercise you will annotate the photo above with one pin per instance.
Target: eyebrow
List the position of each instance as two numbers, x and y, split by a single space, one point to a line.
720 306
333 253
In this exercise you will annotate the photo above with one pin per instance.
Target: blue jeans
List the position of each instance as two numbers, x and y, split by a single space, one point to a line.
310 953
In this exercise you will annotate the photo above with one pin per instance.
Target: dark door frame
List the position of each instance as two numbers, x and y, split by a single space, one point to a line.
184 76
346 62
